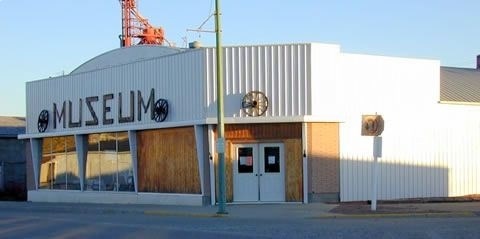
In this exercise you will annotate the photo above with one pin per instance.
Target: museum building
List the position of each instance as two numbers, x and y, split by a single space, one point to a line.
138 125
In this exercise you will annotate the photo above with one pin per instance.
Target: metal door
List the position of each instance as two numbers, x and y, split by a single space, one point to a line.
272 173
245 173
258 173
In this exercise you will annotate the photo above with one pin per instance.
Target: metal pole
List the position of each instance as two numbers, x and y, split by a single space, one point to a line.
377 152
220 126
374 184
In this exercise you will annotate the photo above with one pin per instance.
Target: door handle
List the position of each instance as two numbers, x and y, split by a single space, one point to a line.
261 174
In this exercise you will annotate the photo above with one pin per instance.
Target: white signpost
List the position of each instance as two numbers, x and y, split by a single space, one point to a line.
377 153
372 125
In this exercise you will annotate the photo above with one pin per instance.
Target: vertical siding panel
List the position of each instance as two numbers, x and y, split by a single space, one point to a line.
291 101
305 94
268 77
297 80
258 69
348 194
308 77
251 61
273 80
227 64
281 73
173 71
278 81
349 174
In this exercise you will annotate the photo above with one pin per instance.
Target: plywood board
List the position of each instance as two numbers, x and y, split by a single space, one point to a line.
167 161
293 170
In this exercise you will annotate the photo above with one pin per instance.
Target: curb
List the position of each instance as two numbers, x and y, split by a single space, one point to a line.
386 215
183 214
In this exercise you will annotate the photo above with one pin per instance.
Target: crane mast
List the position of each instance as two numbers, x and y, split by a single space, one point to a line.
136 29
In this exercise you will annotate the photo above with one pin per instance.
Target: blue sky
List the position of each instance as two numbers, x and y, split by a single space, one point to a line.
48 38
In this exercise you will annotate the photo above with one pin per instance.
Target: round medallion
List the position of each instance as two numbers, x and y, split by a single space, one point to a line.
255 103
161 110
42 121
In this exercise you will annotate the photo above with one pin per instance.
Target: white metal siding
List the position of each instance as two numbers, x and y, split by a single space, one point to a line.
325 87
280 71
125 55
429 150
177 78
439 157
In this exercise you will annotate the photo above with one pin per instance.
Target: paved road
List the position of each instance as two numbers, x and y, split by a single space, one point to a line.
114 224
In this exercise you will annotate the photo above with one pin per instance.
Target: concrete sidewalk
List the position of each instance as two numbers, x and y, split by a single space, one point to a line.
263 211
396 209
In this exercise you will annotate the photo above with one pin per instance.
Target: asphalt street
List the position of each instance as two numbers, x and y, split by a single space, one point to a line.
30 220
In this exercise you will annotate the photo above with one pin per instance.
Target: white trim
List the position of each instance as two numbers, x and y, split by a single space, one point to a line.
459 103
305 162
36 148
211 162
114 197
275 119
210 120
113 129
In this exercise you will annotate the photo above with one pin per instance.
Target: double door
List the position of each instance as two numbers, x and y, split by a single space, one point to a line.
259 173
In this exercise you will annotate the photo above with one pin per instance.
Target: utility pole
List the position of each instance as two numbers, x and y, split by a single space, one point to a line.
220 126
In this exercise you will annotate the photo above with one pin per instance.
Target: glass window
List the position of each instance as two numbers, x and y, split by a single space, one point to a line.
125 167
73 177
59 166
47 167
92 169
272 159
245 160
109 163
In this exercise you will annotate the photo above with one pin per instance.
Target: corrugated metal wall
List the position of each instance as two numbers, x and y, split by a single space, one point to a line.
280 71
187 80
433 159
177 78
429 150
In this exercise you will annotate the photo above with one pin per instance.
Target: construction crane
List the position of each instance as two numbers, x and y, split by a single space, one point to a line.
136 29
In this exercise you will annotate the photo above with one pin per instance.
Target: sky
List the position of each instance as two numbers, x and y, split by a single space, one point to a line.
39 39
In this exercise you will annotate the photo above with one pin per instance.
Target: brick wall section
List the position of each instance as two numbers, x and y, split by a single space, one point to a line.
323 153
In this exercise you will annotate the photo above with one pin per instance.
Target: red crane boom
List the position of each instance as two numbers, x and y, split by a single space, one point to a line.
136 29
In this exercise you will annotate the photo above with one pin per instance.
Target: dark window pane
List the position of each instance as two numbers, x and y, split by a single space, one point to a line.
108 142
272 159
123 144
245 160
93 142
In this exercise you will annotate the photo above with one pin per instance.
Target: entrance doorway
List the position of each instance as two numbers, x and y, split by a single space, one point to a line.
259 173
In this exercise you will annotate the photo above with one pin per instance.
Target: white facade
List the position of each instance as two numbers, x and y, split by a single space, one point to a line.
187 81
177 78
429 149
